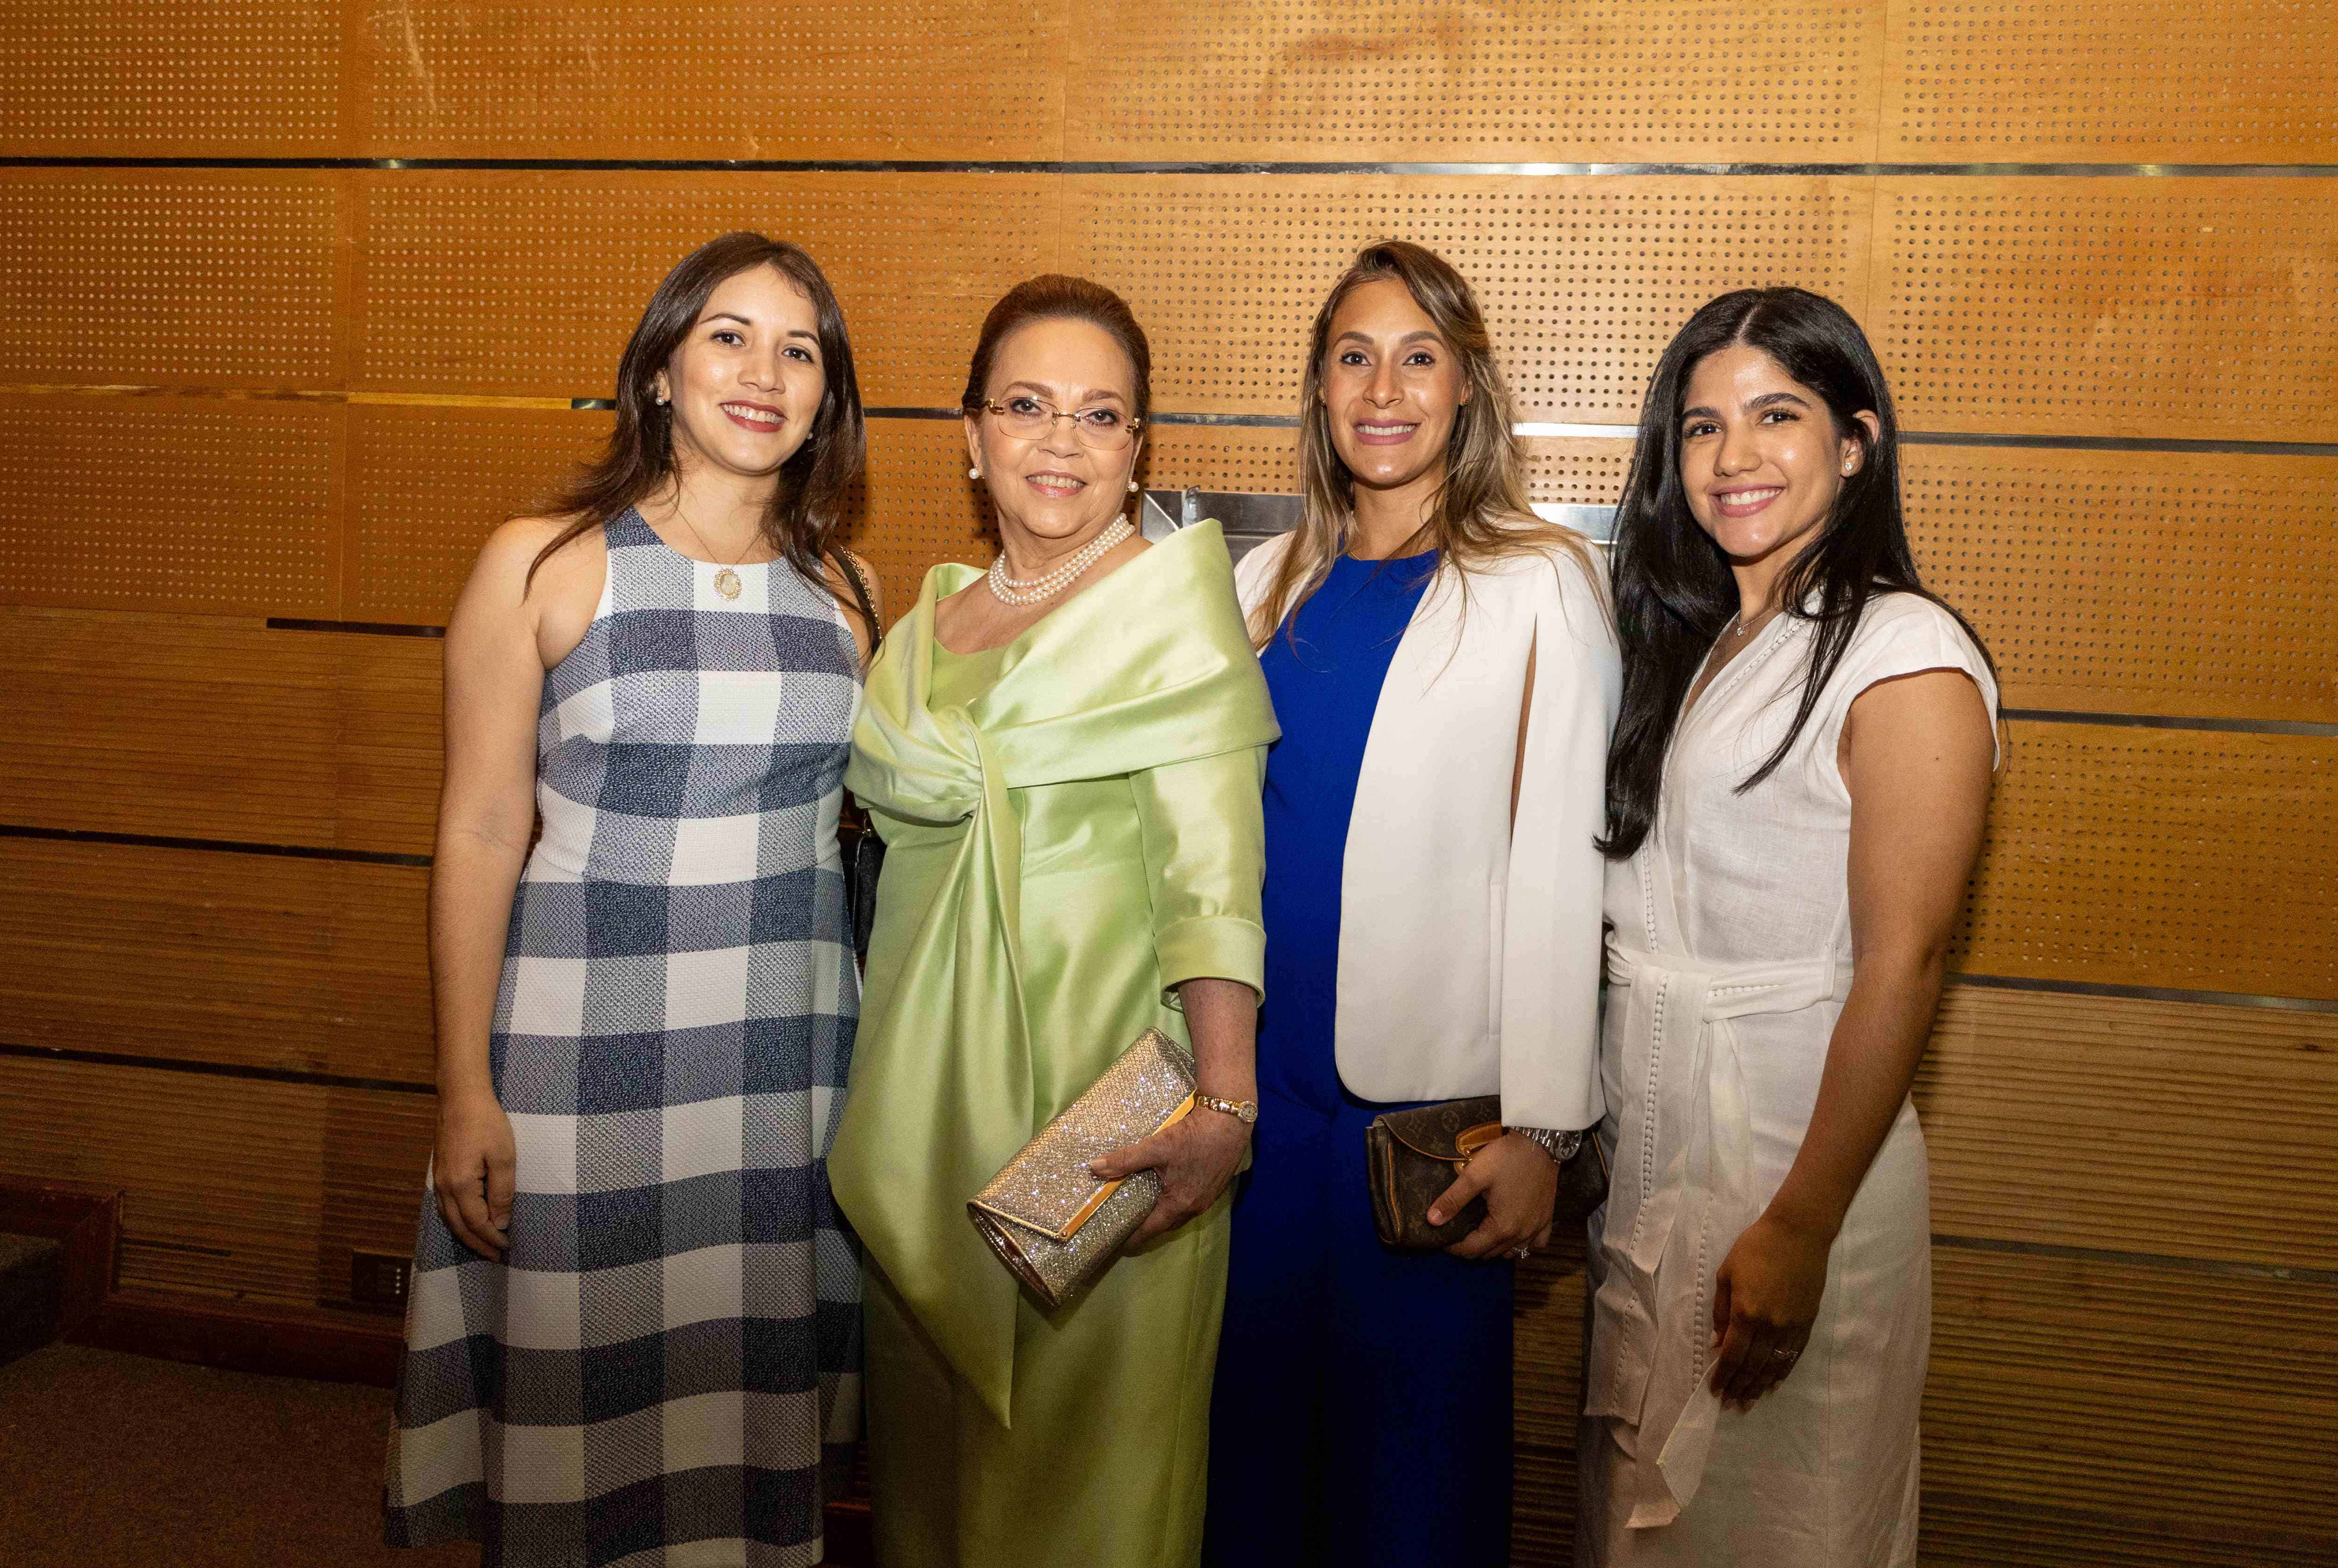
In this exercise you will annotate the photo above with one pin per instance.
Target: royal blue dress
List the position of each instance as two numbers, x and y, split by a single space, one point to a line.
1361 1416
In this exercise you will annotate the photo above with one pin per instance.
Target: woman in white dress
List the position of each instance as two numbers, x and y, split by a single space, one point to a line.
1795 800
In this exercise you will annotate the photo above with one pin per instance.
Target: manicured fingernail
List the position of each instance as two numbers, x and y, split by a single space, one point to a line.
1436 1217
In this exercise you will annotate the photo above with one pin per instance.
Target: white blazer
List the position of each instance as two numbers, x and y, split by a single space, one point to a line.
1469 951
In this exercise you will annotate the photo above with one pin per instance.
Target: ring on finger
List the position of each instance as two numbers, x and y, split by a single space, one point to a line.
1522 1251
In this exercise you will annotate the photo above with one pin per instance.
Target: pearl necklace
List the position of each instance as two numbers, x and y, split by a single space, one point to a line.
1011 591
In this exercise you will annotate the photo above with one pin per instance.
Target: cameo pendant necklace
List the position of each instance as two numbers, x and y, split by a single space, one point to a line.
726 578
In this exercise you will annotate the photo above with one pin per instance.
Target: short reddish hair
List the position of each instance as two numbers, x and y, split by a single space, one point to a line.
1054 297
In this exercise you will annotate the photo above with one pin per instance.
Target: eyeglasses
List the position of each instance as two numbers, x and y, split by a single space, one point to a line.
1105 430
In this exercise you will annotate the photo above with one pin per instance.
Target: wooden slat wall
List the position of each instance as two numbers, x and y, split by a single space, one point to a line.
305 392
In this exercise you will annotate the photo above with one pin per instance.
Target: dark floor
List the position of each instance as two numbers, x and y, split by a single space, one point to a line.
108 1461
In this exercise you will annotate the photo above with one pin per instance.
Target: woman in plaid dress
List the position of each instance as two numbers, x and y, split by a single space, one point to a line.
632 1316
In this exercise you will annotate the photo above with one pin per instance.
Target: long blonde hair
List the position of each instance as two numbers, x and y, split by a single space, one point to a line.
1481 515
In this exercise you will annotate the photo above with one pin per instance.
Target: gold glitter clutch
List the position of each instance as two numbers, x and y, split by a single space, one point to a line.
1055 1224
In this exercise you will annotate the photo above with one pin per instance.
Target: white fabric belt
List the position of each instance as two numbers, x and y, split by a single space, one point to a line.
1683 1159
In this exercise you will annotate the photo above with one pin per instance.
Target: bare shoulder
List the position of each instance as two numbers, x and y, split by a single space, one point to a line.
511 550
510 593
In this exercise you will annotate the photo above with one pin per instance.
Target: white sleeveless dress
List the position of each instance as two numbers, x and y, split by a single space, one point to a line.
1729 959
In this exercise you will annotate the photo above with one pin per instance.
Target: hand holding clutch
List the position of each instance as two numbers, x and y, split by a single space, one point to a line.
1051 1221
1197 1156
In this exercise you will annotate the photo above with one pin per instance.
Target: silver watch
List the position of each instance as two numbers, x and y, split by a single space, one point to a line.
1560 1146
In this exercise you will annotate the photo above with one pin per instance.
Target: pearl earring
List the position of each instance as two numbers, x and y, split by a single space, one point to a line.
1132 486
974 473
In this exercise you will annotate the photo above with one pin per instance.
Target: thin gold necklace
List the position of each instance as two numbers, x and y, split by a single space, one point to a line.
726 580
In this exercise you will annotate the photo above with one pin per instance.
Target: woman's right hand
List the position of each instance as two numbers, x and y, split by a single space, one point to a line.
471 1168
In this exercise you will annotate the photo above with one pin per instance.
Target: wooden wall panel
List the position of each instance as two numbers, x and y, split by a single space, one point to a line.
2109 307
219 1176
1546 1326
1583 282
314 966
2152 857
1390 80
918 508
162 78
824 79
2080 81
2036 1107
230 1186
1221 457
170 504
196 728
1971 1532
530 283
376 1169
2202 1403
428 484
145 275
2139 582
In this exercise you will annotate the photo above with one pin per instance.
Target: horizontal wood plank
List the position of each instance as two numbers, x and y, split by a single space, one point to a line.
197 727
305 966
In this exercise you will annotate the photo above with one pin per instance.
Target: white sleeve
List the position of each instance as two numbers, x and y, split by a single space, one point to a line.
1551 943
1899 635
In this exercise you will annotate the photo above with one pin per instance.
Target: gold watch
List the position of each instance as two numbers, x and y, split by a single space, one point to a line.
1242 1110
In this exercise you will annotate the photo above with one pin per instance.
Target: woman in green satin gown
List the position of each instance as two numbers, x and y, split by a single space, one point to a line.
1066 772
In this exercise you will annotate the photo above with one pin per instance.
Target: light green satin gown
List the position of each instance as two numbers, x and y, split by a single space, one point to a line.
1072 828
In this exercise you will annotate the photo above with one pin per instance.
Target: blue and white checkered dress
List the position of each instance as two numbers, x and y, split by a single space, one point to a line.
648 1377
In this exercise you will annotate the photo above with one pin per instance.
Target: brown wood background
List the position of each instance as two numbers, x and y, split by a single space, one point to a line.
253 371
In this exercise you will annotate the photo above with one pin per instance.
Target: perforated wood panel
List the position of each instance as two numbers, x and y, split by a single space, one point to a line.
2109 307
823 79
312 965
169 503
2080 81
2035 1104
197 727
147 275
229 1188
1583 282
164 78
530 283
2139 582
2177 858
1222 457
2198 1402
1392 80
428 484
918 508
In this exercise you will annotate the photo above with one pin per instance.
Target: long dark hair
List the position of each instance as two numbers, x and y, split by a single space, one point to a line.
1673 587
1481 513
806 517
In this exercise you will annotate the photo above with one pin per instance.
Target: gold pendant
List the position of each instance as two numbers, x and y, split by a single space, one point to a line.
726 583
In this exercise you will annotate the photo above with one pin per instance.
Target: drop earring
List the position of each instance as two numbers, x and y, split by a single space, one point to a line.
1132 486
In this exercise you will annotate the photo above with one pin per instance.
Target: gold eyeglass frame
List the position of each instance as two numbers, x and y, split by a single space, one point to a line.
993 406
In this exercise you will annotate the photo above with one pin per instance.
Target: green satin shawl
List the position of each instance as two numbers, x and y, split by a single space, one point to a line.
1151 667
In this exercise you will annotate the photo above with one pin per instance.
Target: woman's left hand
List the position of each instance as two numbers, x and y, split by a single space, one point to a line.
1765 1300
1197 1158
1519 1181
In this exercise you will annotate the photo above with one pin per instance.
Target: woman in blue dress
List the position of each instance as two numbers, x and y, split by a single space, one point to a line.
1446 676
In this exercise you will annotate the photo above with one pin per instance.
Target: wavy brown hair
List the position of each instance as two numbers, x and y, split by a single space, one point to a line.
804 523
1481 515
